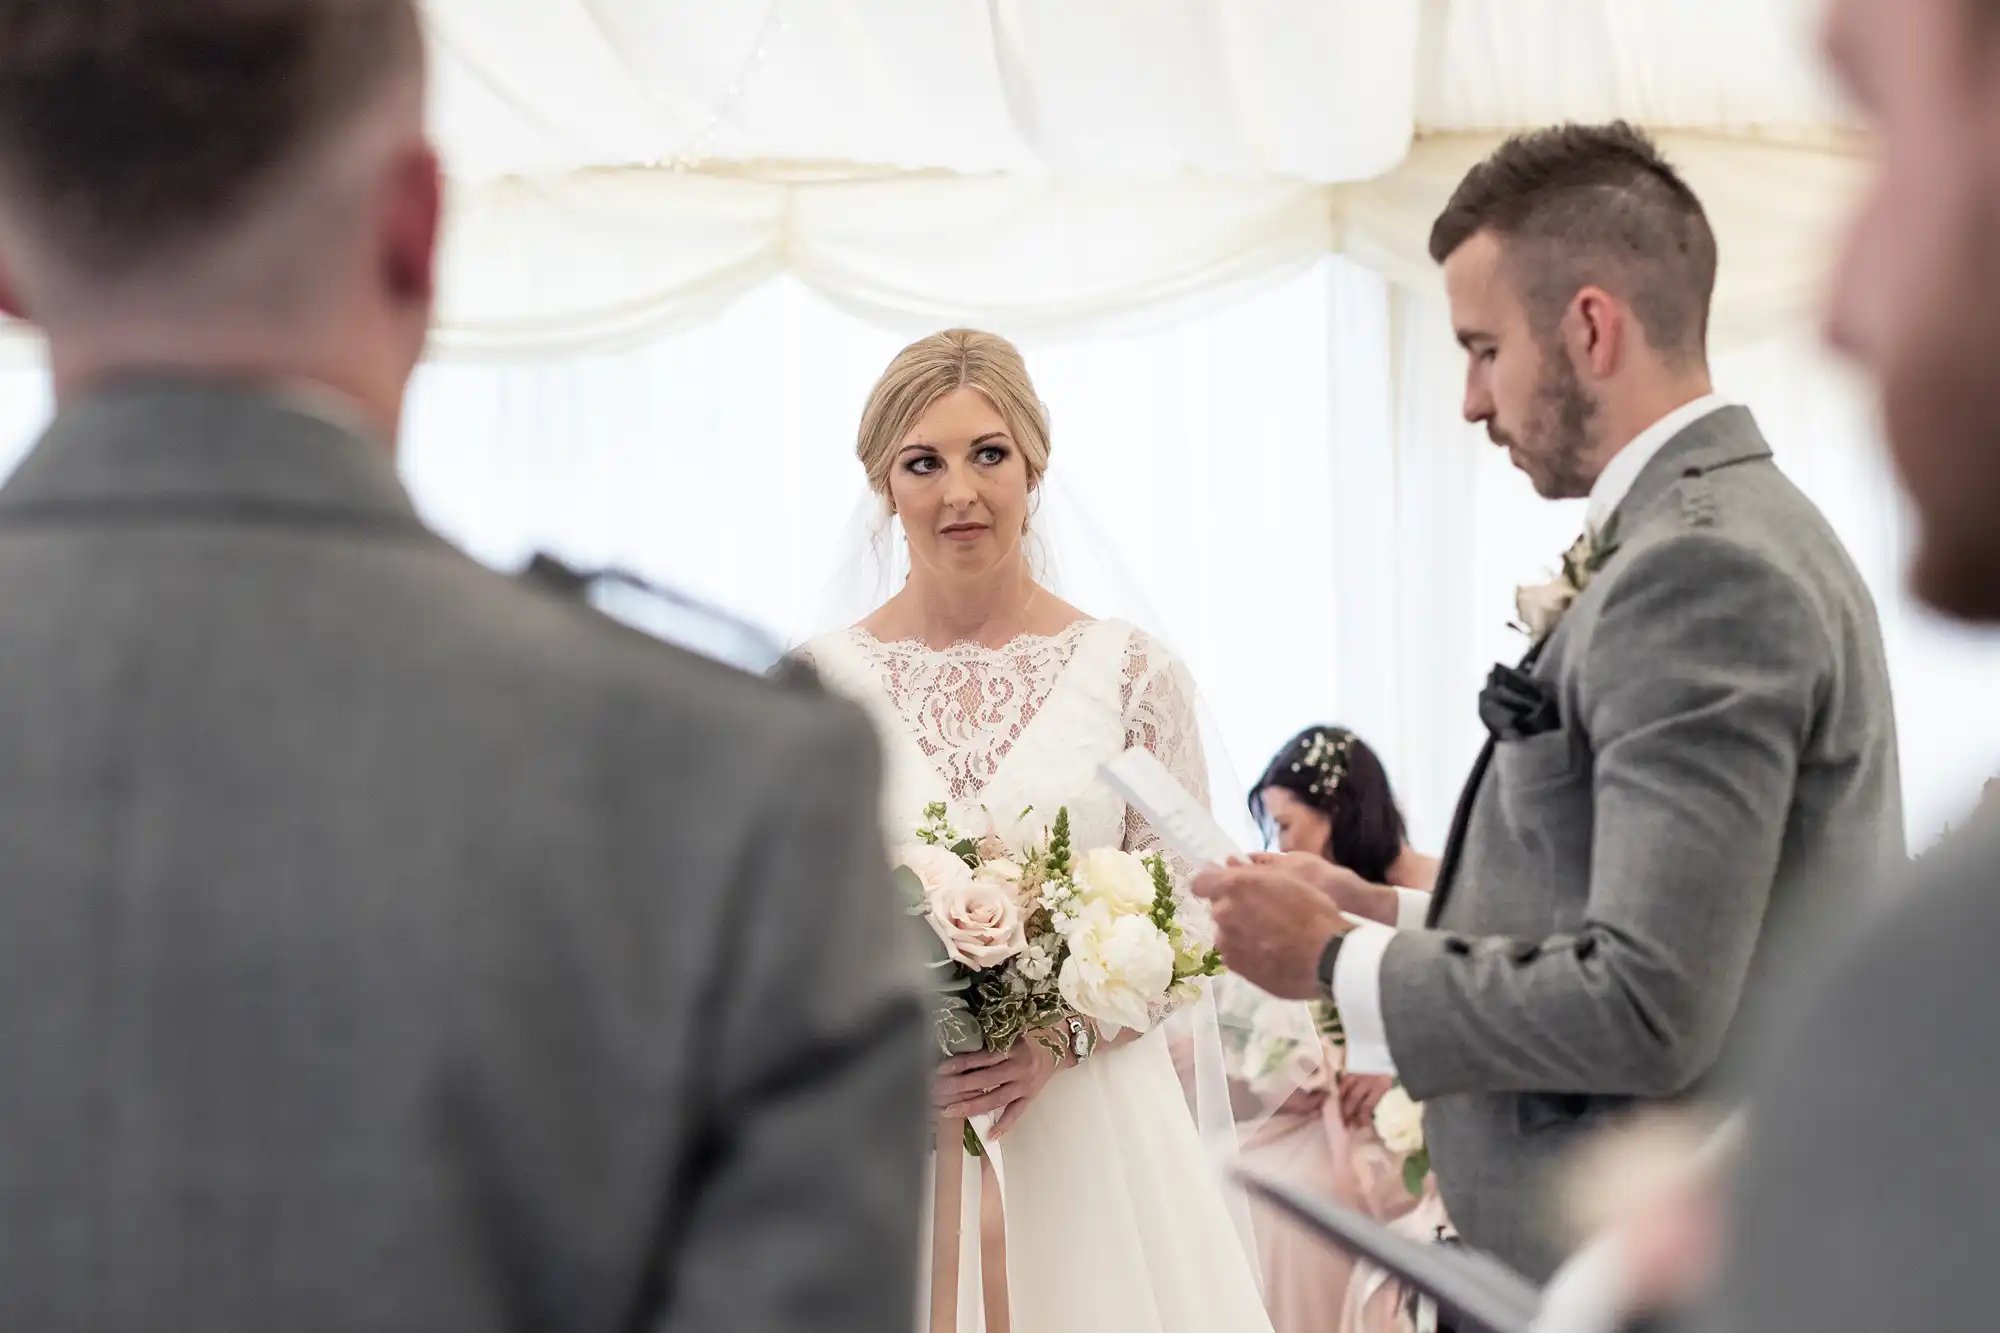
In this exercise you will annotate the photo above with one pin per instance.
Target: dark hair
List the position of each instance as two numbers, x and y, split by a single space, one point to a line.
128 126
1332 770
1583 205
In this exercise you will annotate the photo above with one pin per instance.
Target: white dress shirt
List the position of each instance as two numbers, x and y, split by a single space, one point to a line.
1357 974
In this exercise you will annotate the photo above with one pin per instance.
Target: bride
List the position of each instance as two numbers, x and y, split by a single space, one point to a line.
995 696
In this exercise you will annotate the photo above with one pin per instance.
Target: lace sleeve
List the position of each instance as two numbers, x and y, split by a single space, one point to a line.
1160 717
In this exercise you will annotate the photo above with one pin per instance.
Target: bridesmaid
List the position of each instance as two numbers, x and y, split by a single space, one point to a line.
1326 793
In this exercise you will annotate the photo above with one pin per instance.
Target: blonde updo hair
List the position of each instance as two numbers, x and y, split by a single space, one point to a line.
932 367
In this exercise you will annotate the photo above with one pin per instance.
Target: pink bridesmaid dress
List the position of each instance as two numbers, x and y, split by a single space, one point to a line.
1309 1286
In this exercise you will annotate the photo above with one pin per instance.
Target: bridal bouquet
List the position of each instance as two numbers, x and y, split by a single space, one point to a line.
1028 940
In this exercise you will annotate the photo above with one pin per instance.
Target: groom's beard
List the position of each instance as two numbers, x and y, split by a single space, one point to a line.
1559 432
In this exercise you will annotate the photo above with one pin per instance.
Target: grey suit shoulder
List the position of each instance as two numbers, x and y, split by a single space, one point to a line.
1866 1198
373 904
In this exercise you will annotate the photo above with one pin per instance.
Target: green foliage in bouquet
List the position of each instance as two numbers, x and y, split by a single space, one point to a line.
1057 858
938 832
1326 1021
1189 962
1415 1167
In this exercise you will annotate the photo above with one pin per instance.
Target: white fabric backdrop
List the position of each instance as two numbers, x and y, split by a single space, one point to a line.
1288 477
624 169
1308 90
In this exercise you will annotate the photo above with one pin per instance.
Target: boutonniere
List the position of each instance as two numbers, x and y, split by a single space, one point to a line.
1541 606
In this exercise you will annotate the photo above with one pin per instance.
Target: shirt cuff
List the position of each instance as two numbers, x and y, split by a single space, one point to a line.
1413 909
1357 993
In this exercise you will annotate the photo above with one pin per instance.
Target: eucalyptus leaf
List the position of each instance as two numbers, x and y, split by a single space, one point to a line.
958 1031
910 887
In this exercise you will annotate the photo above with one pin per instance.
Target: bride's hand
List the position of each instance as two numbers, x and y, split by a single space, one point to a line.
970 1085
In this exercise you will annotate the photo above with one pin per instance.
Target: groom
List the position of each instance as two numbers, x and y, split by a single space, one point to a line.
1699 738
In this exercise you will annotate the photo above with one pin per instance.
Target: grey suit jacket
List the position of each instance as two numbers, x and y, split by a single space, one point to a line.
1726 744
389 945
1868 1195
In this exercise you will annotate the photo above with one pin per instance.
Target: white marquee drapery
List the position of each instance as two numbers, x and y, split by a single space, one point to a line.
623 169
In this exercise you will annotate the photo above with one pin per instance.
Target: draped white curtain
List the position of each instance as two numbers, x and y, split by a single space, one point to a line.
1287 477
623 170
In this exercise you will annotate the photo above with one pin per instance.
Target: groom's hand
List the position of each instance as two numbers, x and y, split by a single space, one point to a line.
1271 924
1345 889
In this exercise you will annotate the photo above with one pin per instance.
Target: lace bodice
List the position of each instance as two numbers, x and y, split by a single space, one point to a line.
1005 736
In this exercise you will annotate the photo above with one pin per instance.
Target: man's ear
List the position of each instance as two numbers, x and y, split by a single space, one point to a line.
411 219
1600 331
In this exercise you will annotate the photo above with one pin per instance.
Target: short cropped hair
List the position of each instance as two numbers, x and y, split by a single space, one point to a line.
1579 205
130 126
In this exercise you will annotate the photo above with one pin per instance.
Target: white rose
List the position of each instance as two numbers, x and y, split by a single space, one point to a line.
1400 1122
1116 880
1542 605
936 867
980 922
1118 968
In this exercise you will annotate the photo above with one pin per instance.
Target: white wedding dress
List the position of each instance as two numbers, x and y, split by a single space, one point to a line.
1115 1217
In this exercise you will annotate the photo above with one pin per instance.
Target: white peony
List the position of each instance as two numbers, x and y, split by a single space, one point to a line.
936 867
1400 1122
1118 968
1116 880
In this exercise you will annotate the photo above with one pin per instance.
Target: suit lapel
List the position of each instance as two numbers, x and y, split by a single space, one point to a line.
1461 818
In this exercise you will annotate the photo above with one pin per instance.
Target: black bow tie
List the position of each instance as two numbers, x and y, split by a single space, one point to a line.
1514 705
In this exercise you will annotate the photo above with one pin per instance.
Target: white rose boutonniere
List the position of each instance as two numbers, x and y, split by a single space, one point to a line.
1541 606
1399 1122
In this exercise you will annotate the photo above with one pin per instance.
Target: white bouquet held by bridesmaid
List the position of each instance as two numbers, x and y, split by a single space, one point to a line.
1026 944
1399 1121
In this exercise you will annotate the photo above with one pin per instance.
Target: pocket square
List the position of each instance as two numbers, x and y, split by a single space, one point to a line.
1514 705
